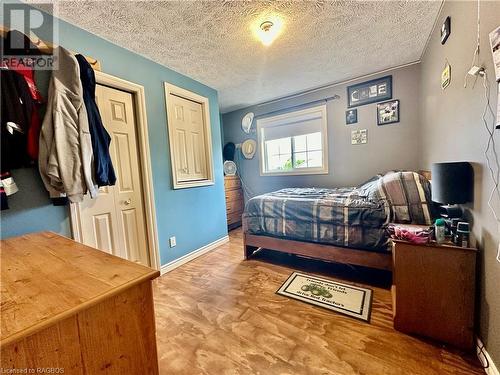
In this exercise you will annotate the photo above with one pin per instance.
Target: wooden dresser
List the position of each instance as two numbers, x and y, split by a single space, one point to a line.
434 291
68 308
234 201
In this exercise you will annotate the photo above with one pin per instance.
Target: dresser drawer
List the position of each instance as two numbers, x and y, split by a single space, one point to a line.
234 206
233 218
234 195
232 183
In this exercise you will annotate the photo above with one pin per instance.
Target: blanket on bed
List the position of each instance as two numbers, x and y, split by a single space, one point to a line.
351 217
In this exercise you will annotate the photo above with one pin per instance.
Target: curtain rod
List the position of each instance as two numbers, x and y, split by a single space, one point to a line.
330 85
334 97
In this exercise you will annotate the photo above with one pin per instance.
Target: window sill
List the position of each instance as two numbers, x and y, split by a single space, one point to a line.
294 173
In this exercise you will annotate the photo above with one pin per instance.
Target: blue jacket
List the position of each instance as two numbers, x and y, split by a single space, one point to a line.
104 174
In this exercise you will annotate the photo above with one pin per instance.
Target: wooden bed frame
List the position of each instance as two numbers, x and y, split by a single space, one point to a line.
330 253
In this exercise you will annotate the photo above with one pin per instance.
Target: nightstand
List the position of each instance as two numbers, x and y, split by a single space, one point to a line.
433 291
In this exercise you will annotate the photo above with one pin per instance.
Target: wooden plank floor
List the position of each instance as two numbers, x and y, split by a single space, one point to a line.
220 315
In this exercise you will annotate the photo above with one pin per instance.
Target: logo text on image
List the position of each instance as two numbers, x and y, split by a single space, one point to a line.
16 50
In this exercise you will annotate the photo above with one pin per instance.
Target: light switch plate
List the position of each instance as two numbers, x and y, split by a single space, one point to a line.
173 241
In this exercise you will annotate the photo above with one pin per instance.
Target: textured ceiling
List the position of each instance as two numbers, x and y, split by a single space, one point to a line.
212 41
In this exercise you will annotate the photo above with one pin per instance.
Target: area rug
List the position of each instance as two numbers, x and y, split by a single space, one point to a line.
346 299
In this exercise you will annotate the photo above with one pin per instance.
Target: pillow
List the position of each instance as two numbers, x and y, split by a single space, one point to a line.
409 195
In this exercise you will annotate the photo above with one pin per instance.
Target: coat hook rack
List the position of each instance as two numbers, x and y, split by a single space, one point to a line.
47 48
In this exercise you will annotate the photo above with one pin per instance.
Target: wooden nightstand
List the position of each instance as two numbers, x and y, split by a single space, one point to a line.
433 291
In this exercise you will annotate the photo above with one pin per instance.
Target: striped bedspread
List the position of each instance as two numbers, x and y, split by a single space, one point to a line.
350 217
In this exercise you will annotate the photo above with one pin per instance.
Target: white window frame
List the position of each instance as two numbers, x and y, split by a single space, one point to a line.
171 89
269 121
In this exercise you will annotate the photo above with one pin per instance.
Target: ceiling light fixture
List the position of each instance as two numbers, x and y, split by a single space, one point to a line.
268 30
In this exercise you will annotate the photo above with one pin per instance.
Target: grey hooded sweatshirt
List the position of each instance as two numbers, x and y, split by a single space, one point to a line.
65 156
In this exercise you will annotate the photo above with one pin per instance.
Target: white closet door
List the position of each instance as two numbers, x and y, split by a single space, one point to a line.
189 143
115 221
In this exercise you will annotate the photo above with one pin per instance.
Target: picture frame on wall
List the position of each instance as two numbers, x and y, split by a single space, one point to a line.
351 116
388 112
373 91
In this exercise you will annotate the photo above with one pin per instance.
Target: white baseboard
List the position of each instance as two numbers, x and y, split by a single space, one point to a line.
193 255
492 369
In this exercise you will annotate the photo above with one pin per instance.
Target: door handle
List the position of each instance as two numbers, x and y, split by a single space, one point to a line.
127 202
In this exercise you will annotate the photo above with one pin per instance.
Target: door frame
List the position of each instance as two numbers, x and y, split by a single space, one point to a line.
139 99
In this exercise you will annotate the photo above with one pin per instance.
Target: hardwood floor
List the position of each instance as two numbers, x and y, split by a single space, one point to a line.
219 315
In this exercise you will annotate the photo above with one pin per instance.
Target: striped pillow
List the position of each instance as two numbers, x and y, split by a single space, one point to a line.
409 195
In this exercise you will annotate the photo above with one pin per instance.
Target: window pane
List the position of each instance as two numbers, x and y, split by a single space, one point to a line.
273 162
272 148
279 146
300 159
293 142
314 159
286 162
300 143
314 141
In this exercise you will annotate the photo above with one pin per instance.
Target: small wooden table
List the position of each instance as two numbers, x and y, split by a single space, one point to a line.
433 291
66 306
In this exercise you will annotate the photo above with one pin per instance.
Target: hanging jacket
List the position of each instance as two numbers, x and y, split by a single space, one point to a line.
27 72
16 109
104 173
65 156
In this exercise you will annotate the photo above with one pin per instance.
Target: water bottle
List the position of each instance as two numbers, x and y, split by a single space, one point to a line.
463 234
439 229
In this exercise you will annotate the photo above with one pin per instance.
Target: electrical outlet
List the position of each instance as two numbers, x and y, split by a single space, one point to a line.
173 241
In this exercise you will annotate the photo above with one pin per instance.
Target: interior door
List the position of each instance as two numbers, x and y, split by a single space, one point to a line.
115 221
189 145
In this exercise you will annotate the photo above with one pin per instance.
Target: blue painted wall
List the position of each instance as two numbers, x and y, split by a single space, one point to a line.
195 216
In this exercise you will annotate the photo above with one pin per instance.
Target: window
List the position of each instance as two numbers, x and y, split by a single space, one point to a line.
294 143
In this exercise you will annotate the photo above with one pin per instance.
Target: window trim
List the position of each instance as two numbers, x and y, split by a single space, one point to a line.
267 121
171 89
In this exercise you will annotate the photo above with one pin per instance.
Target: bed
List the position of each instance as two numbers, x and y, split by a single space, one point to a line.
345 225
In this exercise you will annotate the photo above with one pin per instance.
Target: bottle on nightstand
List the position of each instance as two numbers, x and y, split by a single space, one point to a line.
463 234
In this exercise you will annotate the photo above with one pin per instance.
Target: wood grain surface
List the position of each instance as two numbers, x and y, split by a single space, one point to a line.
46 278
219 314
68 307
435 292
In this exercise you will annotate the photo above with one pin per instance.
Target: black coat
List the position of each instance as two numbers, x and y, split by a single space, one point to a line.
17 105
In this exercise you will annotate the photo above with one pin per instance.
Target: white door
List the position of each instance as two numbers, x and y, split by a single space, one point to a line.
115 221
189 143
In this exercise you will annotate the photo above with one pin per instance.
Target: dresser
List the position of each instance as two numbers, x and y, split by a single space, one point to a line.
234 201
434 291
68 308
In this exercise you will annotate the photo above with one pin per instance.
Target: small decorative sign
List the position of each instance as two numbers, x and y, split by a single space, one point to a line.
359 137
446 76
351 116
445 30
388 112
369 92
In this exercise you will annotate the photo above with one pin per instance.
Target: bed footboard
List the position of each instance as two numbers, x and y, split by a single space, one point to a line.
358 257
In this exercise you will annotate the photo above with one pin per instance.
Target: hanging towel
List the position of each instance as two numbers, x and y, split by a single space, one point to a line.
65 156
104 173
